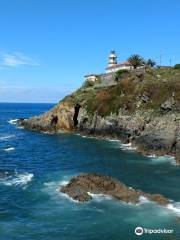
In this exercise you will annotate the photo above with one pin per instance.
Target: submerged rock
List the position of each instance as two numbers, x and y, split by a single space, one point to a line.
5 173
80 187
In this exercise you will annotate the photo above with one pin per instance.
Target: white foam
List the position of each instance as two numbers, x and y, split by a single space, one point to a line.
5 138
9 149
161 159
113 140
46 132
56 184
143 200
93 137
53 189
99 197
127 146
175 207
123 146
152 156
20 127
69 198
13 121
18 179
64 183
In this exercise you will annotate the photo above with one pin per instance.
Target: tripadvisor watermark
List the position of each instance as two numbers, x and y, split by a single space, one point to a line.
140 231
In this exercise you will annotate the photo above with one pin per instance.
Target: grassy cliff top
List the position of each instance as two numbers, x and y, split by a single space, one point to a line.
157 90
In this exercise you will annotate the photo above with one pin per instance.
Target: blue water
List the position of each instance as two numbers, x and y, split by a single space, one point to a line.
31 206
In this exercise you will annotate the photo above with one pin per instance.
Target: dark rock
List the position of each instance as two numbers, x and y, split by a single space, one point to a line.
145 98
5 173
168 105
80 186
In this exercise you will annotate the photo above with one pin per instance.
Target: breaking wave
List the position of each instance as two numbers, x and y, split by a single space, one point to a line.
99 197
9 149
13 121
175 207
162 159
53 189
16 179
127 146
6 138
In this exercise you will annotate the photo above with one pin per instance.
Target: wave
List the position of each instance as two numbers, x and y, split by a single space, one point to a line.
69 198
13 121
161 159
17 179
175 207
46 132
53 189
9 149
123 146
113 140
127 146
56 184
143 200
5 138
99 197
20 127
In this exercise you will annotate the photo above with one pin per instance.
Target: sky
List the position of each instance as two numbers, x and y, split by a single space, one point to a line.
47 46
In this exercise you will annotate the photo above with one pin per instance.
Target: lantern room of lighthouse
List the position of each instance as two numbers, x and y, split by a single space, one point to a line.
112 59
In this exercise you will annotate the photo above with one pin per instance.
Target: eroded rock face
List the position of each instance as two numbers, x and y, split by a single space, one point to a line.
151 134
79 188
58 118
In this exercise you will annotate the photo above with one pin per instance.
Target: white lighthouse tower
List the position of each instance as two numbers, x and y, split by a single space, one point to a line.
112 59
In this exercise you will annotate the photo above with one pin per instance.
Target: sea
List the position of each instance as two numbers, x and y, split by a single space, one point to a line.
34 166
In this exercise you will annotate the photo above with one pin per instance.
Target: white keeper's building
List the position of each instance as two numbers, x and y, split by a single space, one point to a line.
113 66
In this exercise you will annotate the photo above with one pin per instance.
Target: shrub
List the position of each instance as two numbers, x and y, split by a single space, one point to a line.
136 61
119 74
177 66
88 84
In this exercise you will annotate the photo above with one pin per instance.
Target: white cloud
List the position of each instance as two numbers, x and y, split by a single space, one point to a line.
17 59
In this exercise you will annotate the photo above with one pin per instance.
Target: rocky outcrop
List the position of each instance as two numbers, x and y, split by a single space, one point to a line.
122 125
159 136
144 111
150 134
168 104
59 118
80 188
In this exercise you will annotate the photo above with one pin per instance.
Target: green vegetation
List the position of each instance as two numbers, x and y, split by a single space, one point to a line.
177 66
157 86
88 84
119 73
136 60
150 63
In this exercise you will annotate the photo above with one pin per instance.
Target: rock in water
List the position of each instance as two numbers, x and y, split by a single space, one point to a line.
5 173
80 186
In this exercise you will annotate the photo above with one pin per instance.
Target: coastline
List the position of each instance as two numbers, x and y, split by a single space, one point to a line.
130 145
127 144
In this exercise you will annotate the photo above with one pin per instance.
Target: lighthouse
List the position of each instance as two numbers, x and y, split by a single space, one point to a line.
112 59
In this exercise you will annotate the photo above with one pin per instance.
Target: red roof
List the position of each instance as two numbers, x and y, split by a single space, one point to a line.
125 63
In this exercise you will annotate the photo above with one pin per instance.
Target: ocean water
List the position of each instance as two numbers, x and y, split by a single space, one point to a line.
34 165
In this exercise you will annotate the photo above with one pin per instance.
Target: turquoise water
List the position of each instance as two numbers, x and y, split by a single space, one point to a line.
31 206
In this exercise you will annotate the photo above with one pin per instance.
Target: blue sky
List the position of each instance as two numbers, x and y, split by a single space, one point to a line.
47 46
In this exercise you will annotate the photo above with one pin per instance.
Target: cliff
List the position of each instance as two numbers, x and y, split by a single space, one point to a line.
139 107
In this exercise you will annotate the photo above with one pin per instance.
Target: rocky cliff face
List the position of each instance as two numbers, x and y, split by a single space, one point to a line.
58 118
151 135
146 113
